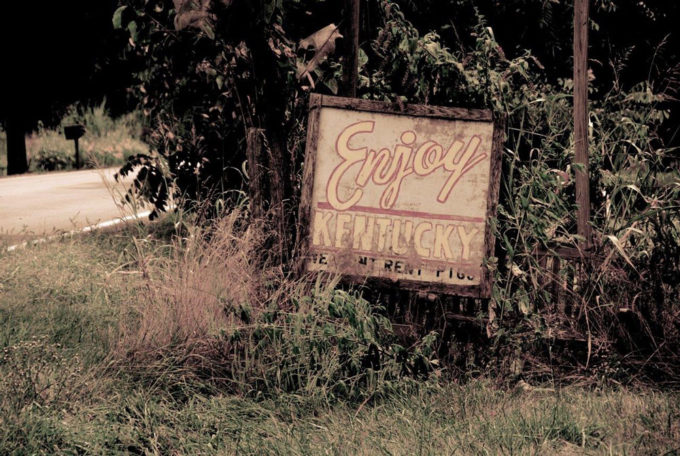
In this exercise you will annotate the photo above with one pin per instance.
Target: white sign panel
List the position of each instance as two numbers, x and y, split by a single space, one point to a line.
401 196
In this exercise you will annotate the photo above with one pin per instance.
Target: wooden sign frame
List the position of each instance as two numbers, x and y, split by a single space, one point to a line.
481 290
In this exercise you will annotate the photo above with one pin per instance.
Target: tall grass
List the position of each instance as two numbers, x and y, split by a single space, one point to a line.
211 311
60 305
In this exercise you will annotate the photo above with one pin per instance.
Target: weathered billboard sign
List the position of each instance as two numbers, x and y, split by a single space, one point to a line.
401 193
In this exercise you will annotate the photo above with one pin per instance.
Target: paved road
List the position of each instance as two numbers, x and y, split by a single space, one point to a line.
43 204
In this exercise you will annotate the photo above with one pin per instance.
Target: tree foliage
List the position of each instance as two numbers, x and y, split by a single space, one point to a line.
213 70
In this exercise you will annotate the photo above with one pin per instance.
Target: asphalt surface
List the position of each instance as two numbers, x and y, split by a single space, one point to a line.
37 205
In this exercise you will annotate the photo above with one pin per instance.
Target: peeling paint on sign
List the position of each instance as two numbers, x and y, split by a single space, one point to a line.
401 195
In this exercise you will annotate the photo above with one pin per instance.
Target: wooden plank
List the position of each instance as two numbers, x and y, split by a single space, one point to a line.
466 291
492 199
408 109
350 77
305 209
481 322
582 181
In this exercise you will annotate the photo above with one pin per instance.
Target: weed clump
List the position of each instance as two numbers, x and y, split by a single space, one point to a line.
37 373
209 311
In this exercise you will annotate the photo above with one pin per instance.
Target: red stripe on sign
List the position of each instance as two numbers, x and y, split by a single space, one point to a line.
400 213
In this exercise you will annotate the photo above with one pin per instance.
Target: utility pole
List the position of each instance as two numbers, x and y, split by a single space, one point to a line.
350 72
581 120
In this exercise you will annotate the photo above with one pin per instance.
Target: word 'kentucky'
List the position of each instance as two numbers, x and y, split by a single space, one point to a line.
385 168
427 240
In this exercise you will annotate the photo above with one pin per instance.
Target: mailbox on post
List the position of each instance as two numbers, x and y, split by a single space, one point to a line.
74 132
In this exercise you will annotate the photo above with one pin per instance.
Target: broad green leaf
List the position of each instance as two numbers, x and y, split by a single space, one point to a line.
208 30
118 17
269 8
132 28
363 58
323 42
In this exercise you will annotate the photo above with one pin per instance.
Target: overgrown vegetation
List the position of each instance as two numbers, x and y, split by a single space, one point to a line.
615 315
76 379
192 337
618 315
107 141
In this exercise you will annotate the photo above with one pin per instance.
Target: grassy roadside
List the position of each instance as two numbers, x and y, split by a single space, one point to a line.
59 307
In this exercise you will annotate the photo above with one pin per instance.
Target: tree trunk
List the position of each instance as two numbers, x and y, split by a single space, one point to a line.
17 162
271 111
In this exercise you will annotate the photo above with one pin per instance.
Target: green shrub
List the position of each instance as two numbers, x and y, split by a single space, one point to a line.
53 160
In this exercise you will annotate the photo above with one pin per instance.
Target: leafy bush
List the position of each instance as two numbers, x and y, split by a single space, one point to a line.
53 160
